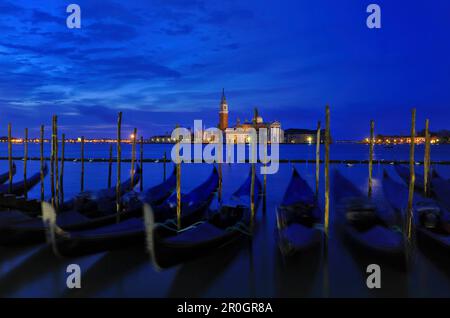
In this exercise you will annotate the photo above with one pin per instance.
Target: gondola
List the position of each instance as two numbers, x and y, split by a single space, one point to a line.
129 231
431 220
5 176
403 172
298 218
367 226
17 227
19 188
169 247
441 189
101 202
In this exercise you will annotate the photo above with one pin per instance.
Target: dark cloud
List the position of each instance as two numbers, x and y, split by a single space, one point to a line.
39 16
8 8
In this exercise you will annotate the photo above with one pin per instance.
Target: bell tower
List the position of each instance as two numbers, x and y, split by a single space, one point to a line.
223 113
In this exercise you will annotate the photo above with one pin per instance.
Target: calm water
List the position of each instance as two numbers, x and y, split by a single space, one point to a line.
251 268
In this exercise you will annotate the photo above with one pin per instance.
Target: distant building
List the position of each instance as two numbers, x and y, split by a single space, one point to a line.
223 112
302 136
398 139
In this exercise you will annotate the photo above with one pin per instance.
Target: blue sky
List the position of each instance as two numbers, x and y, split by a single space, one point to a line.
164 62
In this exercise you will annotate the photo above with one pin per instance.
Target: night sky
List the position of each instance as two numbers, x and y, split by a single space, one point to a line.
164 62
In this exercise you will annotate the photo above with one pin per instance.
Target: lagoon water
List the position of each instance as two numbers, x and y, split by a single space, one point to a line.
252 268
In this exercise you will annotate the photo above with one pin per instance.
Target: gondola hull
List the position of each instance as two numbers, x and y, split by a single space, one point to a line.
378 239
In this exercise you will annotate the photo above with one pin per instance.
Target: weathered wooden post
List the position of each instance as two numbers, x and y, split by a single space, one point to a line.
56 161
119 154
141 149
427 160
25 162
61 176
371 145
412 178
178 187
110 165
165 162
10 162
52 163
327 171
42 162
82 165
318 137
133 156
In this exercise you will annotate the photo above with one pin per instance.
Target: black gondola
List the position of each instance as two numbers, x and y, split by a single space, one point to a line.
26 227
19 188
132 230
5 176
441 189
298 218
367 225
169 247
403 172
430 219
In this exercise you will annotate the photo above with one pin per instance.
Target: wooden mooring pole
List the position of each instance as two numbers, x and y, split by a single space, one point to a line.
110 165
165 162
318 137
61 176
327 170
427 159
371 145
52 163
133 156
82 165
56 160
412 177
10 162
25 162
141 149
178 186
42 162
119 154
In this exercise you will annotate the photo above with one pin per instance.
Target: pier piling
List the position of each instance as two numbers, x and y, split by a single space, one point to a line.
82 165
371 145
119 154
61 176
52 163
25 162
10 163
165 162
318 136
178 187
141 149
427 160
327 170
110 165
133 156
56 166
412 178
42 162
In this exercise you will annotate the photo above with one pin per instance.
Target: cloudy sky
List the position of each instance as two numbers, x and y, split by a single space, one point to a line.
164 62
